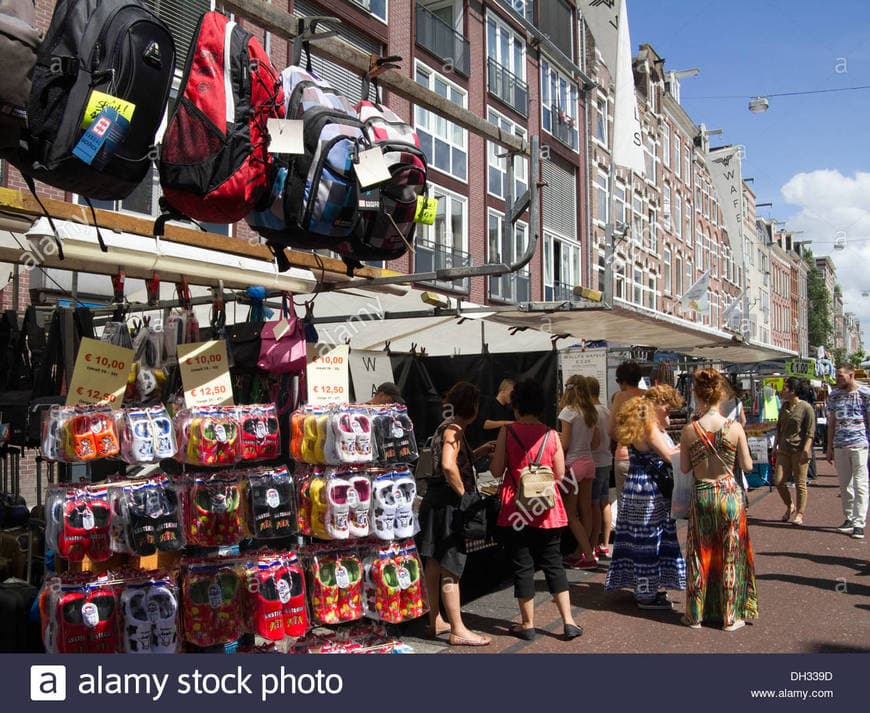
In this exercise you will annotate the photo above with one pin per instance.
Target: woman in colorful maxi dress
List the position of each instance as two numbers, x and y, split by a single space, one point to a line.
646 554
721 569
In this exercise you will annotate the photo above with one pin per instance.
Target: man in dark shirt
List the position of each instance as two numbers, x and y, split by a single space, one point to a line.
793 445
494 413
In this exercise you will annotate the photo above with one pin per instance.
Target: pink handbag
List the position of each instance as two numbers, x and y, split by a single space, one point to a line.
287 354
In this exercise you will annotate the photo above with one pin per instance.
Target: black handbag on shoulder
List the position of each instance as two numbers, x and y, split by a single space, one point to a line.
663 475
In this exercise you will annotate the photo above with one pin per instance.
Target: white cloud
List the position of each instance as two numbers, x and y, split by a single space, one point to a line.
834 210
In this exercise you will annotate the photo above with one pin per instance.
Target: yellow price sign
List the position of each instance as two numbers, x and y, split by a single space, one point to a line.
426 210
205 373
98 101
100 374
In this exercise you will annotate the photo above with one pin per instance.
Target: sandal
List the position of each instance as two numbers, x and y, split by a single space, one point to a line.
688 623
798 520
455 640
788 514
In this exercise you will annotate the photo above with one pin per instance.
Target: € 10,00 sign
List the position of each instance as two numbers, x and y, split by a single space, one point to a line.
100 374
205 373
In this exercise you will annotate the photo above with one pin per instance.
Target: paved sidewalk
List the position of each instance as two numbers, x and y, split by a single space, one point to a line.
813 590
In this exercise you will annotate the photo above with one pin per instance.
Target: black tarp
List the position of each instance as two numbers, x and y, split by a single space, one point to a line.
423 382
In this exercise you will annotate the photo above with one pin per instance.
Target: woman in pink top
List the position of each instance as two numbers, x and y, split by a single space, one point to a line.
533 536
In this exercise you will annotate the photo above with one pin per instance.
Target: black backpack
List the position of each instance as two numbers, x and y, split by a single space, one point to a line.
19 40
117 47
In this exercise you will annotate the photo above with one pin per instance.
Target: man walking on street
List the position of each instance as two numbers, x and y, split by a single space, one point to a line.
848 410
793 446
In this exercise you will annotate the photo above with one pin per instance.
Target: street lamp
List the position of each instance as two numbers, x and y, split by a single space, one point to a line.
758 105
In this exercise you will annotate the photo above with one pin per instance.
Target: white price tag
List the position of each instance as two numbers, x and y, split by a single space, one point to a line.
285 136
371 168
342 578
281 329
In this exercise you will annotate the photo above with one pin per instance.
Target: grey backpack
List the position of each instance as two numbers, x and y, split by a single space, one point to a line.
19 41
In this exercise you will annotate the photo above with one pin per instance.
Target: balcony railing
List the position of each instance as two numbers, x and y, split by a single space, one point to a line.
515 287
442 40
558 292
507 87
429 257
565 129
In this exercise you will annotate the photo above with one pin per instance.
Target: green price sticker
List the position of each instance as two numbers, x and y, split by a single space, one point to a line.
426 210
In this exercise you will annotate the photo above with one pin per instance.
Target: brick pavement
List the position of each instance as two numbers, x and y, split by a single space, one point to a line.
813 589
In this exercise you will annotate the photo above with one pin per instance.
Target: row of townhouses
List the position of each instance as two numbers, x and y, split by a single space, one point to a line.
532 68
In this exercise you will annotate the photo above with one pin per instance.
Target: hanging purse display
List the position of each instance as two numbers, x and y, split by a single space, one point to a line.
282 343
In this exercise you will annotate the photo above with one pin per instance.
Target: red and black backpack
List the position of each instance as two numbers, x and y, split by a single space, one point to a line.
214 162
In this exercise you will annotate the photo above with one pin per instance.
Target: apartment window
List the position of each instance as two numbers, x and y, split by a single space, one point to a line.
677 150
601 181
556 21
653 230
666 201
651 292
505 47
637 286
444 143
601 120
561 267
619 281
378 8
698 199
526 8
666 259
687 165
649 154
621 204
678 277
559 105
507 248
497 165
666 145
444 244
699 249
678 215
637 216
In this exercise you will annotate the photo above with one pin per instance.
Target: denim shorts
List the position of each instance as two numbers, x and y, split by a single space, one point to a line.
601 486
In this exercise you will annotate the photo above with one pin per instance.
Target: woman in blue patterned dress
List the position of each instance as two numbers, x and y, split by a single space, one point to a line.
646 554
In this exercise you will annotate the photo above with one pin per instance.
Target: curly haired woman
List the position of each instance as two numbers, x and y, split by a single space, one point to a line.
646 554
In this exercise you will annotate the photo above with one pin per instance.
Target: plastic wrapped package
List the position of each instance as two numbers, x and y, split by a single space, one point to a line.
260 435
215 511
149 616
276 593
153 517
79 523
208 436
147 435
273 503
335 585
212 601
394 584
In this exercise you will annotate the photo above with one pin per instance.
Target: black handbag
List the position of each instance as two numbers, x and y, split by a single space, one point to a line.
479 515
663 475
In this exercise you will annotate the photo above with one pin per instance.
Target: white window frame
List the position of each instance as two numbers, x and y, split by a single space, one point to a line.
678 275
637 285
494 163
638 216
666 145
678 162
551 237
601 120
426 236
552 77
602 192
687 164
366 6
651 160
439 128
503 33
678 214
667 207
668 278
518 249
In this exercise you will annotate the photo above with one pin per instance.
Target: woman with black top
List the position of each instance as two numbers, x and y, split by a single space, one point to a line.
441 542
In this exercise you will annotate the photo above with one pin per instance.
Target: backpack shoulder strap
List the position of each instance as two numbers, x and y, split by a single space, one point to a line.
541 450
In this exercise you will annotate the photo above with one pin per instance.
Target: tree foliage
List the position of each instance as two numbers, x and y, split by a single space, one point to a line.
820 322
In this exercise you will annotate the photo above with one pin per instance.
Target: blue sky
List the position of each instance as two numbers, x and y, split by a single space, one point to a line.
809 155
